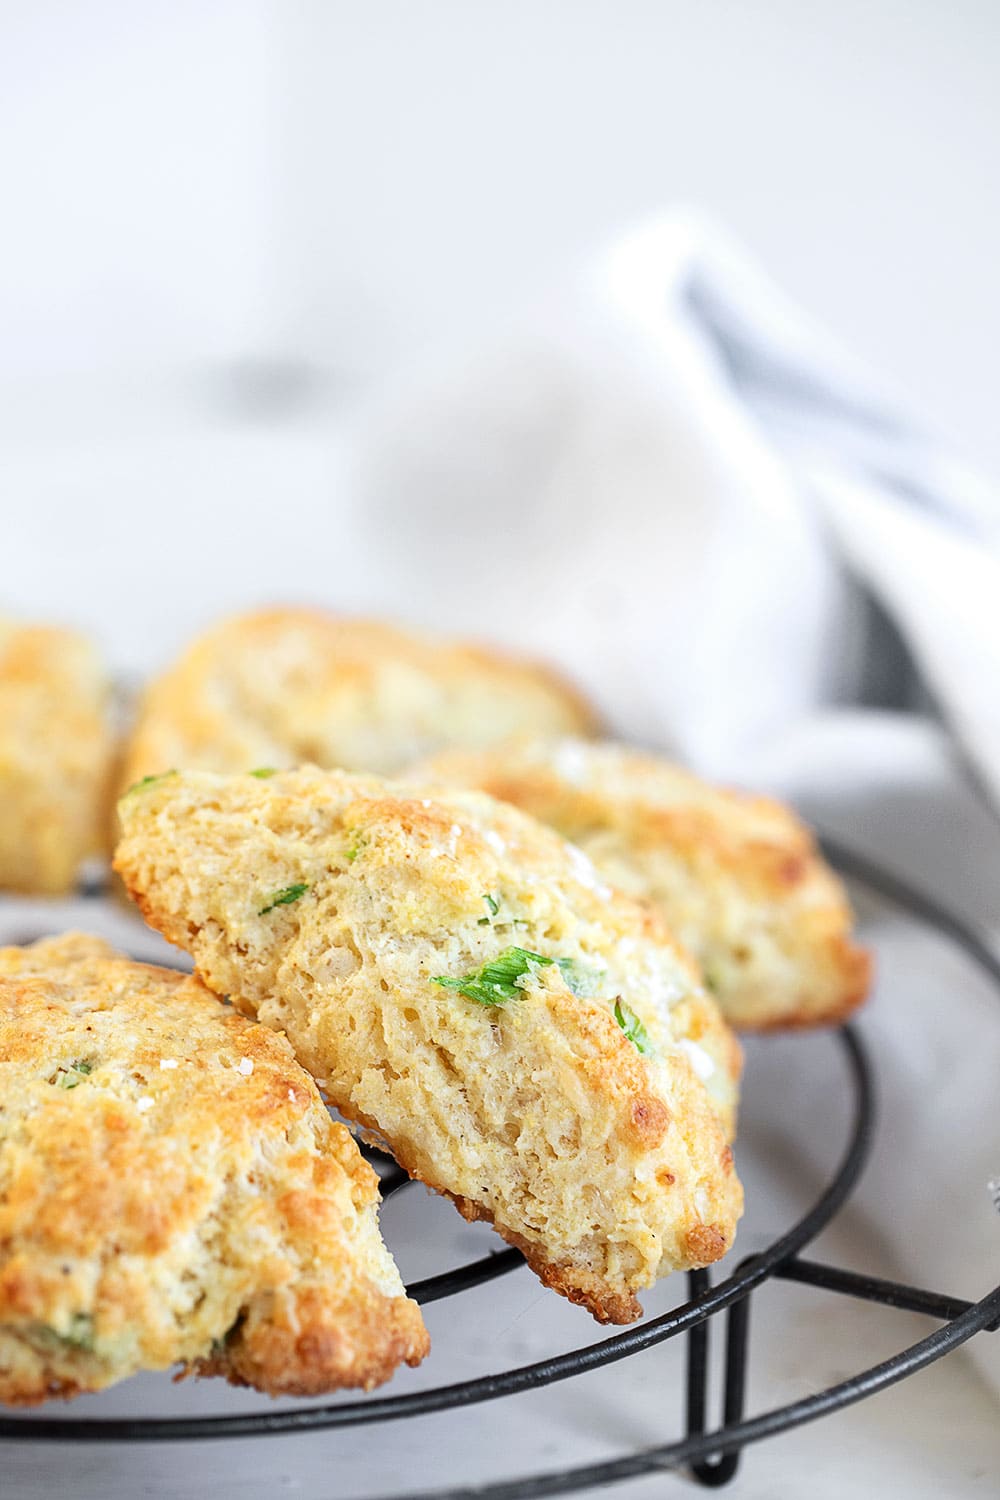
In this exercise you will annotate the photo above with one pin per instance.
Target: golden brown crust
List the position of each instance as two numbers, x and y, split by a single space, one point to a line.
540 1111
283 686
56 750
737 877
172 1190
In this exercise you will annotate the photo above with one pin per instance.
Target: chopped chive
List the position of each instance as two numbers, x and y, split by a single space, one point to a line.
582 979
284 897
79 1334
495 982
68 1078
493 904
144 781
263 772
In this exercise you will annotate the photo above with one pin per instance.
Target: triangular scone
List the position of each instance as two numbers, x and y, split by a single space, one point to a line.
281 686
56 754
461 982
172 1190
737 877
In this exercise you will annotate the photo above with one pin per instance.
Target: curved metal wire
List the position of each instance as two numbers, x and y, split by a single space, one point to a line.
694 1449
509 1382
780 1419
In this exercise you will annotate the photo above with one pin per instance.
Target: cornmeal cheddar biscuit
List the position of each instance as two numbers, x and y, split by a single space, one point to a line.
56 749
286 686
462 984
738 878
172 1190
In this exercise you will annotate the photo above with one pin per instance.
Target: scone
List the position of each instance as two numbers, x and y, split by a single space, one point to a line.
56 749
287 686
462 984
172 1190
738 878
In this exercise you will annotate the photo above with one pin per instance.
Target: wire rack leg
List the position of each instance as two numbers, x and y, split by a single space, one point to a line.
720 1468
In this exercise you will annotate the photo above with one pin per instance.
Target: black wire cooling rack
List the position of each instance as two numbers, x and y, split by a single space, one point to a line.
710 1452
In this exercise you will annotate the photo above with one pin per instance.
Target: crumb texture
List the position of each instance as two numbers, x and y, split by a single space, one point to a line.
172 1190
286 686
738 878
56 752
603 1155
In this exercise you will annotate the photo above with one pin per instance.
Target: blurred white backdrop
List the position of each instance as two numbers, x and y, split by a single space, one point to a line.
225 221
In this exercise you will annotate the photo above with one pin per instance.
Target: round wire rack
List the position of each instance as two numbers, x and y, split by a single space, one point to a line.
710 1452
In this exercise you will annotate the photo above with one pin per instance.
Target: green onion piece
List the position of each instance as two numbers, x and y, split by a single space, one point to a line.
580 978
144 781
632 1027
263 772
493 904
80 1334
495 982
68 1078
284 897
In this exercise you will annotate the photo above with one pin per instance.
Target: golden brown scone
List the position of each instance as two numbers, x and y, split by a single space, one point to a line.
738 878
172 1189
286 686
56 748
557 1092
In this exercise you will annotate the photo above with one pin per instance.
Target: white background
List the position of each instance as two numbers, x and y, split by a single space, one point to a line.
196 182
225 222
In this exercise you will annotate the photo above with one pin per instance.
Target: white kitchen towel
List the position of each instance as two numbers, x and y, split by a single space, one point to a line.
665 478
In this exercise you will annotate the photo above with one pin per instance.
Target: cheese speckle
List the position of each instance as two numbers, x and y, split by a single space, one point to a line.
291 1096
245 1066
144 1103
585 872
697 1057
168 1062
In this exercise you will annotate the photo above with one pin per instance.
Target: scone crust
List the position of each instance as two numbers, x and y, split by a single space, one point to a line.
173 1190
737 877
56 753
329 905
285 686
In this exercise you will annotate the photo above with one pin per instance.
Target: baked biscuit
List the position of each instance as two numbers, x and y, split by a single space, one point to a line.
172 1189
55 756
287 686
462 984
738 878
